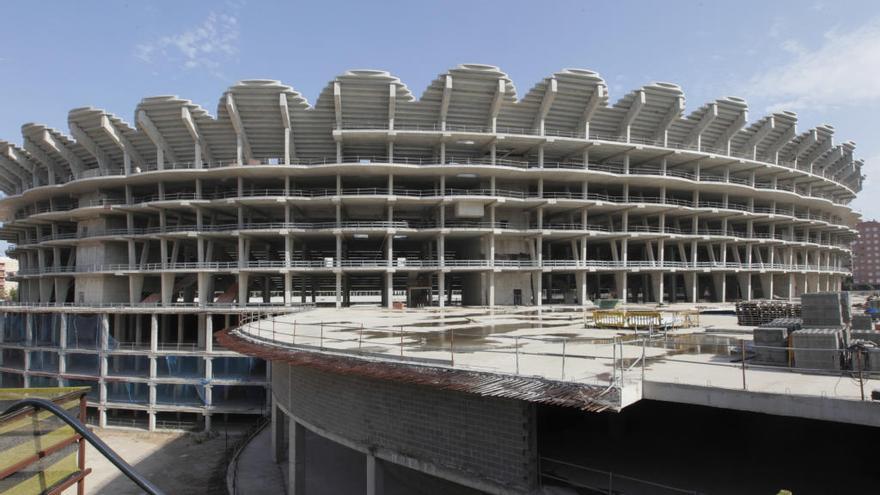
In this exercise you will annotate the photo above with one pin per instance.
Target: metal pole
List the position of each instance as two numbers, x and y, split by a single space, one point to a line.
644 344
293 341
613 360
516 350
401 340
452 346
361 338
743 356
322 335
861 380
563 358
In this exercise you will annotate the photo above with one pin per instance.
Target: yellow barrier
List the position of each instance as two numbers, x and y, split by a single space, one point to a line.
40 453
636 319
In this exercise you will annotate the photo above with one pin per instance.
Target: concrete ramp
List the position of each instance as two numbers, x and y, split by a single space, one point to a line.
229 295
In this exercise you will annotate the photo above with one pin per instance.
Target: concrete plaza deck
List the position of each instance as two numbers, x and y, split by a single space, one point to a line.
700 365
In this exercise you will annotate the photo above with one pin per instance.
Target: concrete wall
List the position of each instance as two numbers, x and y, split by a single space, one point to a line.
101 289
506 282
822 408
484 443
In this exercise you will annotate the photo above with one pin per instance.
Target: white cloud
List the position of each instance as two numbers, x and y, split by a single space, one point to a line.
206 46
844 70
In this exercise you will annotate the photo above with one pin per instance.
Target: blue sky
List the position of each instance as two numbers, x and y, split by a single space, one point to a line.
818 58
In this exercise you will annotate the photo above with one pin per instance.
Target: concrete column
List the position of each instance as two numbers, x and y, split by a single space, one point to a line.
539 249
154 332
441 275
296 459
288 288
375 476
277 426
209 334
242 289
339 270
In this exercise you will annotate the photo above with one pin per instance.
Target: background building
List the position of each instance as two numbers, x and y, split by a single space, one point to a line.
866 254
137 242
8 268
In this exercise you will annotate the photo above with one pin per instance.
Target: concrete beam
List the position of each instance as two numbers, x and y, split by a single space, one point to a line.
76 165
89 144
802 147
193 130
546 103
392 103
155 136
337 103
6 170
725 137
286 122
495 108
121 141
19 165
751 146
444 102
823 146
631 114
590 109
836 154
672 114
785 138
9 178
43 158
237 124
707 118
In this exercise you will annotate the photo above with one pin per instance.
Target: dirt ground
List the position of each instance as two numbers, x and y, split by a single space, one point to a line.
179 463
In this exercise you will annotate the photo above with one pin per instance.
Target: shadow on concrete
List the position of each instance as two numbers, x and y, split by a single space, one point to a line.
713 450
256 472
191 464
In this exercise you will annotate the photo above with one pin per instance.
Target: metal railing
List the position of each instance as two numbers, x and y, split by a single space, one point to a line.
421 224
465 160
601 481
90 437
330 263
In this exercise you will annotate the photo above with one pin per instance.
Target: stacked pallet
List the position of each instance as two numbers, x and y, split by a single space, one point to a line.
759 312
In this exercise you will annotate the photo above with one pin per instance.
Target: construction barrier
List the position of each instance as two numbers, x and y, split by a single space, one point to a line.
40 453
643 319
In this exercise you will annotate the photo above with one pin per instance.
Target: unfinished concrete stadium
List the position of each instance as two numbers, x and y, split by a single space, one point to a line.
138 242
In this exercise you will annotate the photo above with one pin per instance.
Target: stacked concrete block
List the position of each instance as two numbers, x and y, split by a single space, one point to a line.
825 309
767 340
792 324
817 348
846 306
872 360
771 335
868 335
870 350
862 322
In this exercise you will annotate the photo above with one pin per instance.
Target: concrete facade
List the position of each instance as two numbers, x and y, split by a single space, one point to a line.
467 195
866 254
